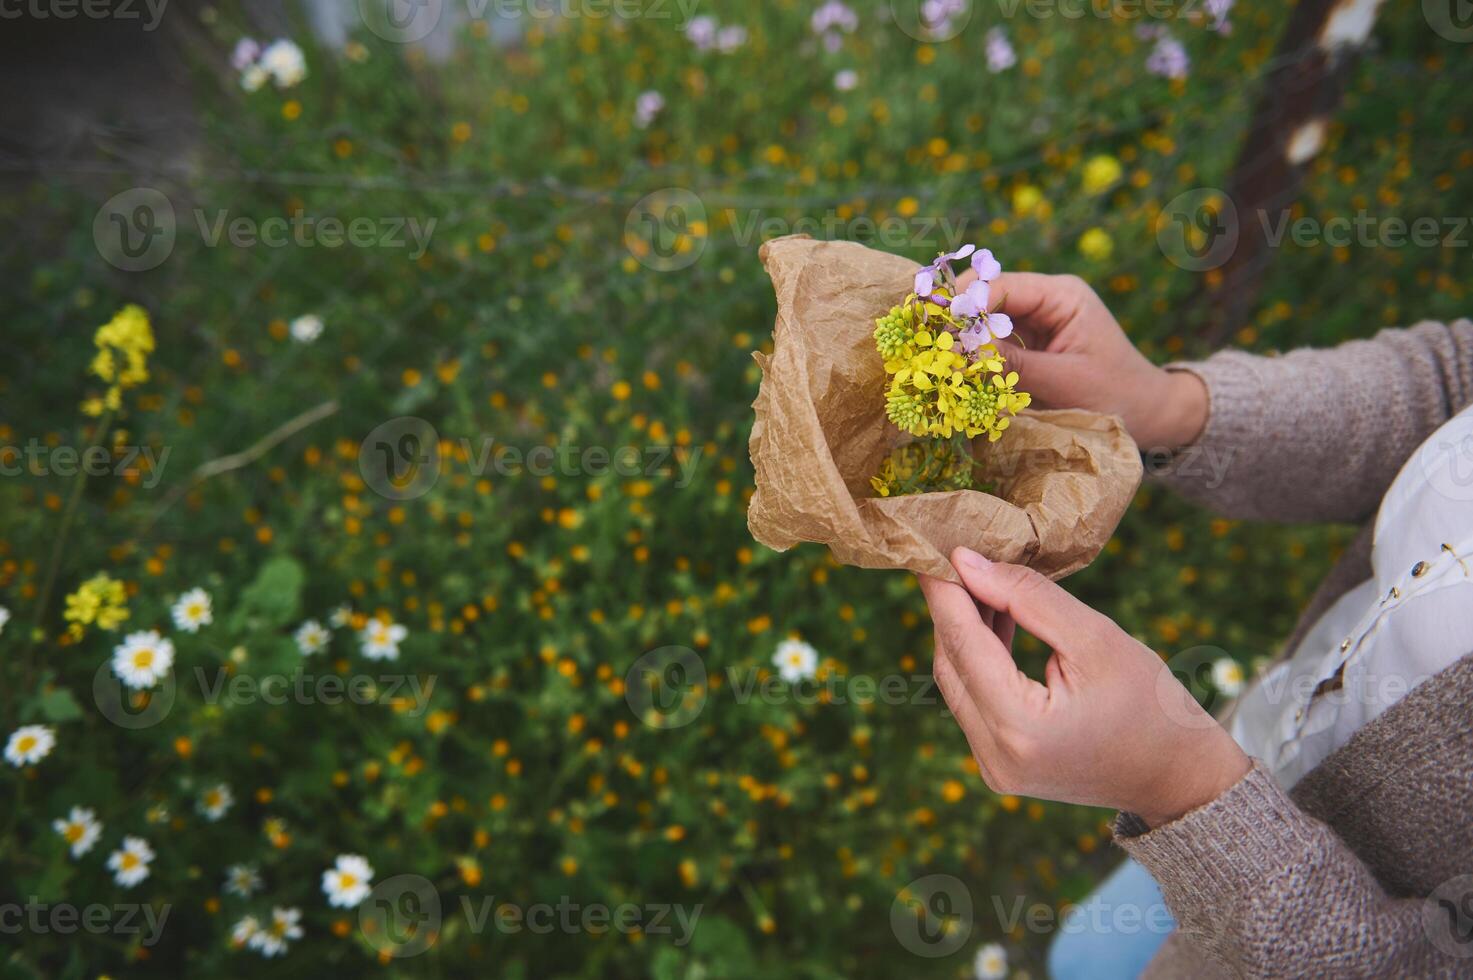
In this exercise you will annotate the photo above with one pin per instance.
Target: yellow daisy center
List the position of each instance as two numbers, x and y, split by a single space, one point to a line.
73 833
26 743
129 861
143 659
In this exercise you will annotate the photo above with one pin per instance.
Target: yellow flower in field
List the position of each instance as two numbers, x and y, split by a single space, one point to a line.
101 600
1096 245
1026 199
1101 173
123 346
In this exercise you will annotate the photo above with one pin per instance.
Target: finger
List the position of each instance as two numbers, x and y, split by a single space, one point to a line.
1054 380
963 708
1042 304
1005 628
1031 601
987 669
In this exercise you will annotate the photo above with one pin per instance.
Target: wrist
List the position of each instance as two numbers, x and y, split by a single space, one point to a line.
1201 778
1186 407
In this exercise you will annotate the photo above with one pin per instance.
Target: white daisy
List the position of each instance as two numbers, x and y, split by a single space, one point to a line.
312 637
347 882
1228 676
193 611
4 618
242 880
80 829
795 660
29 744
381 639
253 77
142 659
215 801
305 329
245 930
341 616
272 939
991 962
285 63
129 863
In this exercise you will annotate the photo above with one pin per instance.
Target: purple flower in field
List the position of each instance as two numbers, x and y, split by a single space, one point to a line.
832 21
245 54
846 80
647 107
701 31
937 15
926 282
1000 324
1217 11
730 38
1168 59
999 51
973 300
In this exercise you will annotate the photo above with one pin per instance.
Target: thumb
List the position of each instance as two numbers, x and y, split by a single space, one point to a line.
1035 603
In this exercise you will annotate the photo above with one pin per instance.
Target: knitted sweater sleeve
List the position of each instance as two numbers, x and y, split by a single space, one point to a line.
1266 890
1319 435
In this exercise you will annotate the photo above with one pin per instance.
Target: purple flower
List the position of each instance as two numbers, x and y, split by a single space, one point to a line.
973 301
999 50
926 282
1000 324
729 39
647 107
701 31
1168 59
974 336
846 80
986 267
245 54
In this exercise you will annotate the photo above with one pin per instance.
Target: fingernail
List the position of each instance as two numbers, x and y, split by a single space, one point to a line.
970 559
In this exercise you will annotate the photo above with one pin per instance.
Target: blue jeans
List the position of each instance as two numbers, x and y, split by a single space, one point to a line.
1115 932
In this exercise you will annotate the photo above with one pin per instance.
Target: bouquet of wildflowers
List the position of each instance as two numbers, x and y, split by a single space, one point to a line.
947 380
829 415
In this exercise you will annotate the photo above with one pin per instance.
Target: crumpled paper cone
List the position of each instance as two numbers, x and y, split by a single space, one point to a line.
1063 478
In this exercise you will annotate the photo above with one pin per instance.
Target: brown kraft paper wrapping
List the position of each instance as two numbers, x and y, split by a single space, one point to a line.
1063 478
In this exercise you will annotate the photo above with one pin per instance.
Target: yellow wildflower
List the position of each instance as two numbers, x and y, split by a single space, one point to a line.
123 346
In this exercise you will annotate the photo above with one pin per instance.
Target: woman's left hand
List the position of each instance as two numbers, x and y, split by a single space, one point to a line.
1109 727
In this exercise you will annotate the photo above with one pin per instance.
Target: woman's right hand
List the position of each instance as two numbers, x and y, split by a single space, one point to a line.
1078 357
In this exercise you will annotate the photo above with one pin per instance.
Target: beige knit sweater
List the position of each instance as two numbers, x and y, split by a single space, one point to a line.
1365 869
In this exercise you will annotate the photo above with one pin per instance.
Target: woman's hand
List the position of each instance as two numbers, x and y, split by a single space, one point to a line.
1112 727
1078 357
